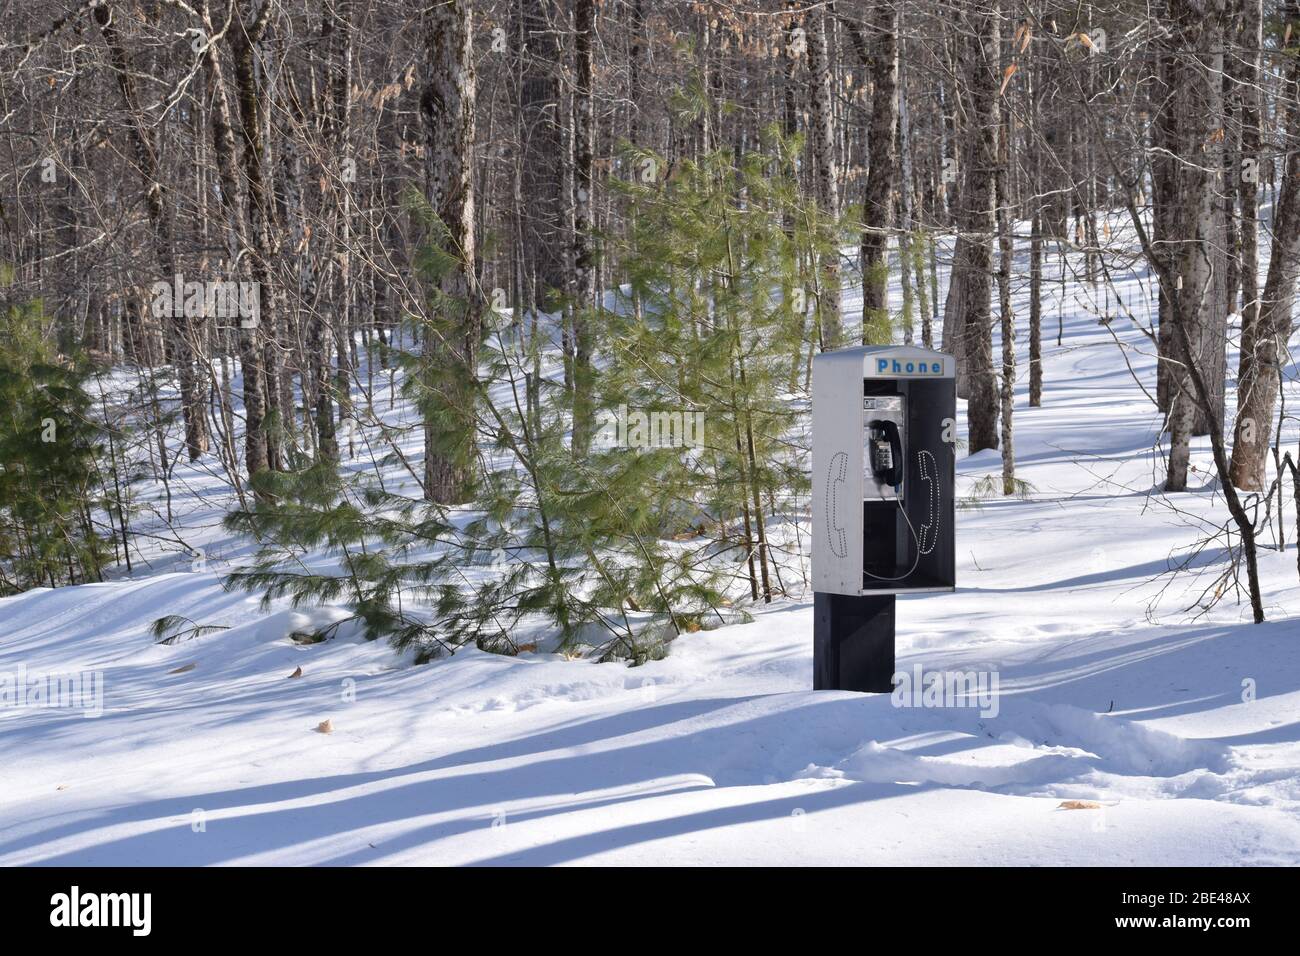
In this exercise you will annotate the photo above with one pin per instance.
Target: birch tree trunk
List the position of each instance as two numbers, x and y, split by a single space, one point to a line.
1006 256
340 46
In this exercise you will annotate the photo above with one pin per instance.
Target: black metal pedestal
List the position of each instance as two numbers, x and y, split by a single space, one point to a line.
853 642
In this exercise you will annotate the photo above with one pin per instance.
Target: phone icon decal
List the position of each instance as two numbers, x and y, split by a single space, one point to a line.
838 538
928 534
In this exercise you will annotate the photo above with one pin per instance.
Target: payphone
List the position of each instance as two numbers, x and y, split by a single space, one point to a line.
883 509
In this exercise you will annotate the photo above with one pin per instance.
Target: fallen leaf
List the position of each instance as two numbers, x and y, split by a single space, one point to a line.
1006 77
527 649
1079 805
184 669
325 727
297 672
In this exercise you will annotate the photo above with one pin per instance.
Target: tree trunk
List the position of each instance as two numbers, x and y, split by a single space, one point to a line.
1006 255
970 290
1258 384
882 176
825 172
1036 310
234 197
1164 197
447 115
908 245
584 223
259 208
340 45
1196 74
539 50
1247 71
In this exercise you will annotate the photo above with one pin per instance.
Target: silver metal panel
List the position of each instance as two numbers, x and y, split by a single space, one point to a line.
837 472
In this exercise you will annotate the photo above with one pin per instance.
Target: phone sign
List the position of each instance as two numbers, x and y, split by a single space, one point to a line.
893 366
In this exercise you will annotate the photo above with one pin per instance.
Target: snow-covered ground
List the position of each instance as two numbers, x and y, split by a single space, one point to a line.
1182 728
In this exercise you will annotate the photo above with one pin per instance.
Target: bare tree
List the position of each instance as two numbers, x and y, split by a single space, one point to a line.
968 318
882 175
584 205
826 175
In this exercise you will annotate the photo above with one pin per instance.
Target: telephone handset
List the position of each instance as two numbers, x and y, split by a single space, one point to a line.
886 452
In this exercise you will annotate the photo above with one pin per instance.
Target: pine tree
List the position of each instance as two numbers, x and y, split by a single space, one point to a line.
719 260
550 544
49 461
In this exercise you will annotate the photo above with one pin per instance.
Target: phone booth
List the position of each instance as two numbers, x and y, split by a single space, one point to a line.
884 422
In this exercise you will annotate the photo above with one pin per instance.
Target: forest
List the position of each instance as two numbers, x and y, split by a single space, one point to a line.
266 209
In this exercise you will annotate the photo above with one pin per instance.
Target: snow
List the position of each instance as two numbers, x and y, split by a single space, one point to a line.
1182 726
